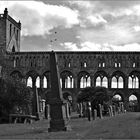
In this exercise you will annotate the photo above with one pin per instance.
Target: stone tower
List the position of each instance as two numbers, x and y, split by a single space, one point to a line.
9 33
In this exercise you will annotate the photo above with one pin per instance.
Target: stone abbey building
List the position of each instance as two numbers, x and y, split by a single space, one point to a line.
118 71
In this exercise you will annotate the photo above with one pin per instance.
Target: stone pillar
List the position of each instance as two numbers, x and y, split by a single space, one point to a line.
100 111
114 110
41 82
95 114
111 110
109 82
57 122
35 103
126 82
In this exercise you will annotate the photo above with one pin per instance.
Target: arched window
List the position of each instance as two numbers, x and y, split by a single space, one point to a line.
132 98
85 64
133 103
133 82
120 82
130 82
105 82
38 82
85 81
117 97
29 82
114 82
98 81
44 82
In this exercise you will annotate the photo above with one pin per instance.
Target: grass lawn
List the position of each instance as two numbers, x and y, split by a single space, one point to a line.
118 127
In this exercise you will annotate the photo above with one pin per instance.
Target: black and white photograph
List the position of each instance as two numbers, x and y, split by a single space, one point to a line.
70 69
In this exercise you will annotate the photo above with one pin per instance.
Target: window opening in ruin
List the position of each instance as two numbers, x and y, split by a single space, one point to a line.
103 64
115 65
69 65
85 64
44 82
29 82
134 65
38 82
13 49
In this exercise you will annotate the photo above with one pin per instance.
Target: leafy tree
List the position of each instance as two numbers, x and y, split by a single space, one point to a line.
96 95
15 97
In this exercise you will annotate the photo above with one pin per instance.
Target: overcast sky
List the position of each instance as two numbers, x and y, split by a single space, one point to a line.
77 25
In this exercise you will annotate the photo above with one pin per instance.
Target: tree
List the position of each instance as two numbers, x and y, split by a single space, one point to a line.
96 95
15 97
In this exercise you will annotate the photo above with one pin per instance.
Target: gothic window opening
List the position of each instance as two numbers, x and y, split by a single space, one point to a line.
69 64
102 81
66 80
117 82
29 82
98 81
134 65
13 49
44 82
85 81
99 65
119 65
103 64
133 81
117 98
14 63
38 82
85 64
115 65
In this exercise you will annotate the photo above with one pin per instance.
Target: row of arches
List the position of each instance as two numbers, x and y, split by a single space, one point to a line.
84 79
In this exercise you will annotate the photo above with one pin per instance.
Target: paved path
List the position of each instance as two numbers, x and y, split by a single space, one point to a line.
118 127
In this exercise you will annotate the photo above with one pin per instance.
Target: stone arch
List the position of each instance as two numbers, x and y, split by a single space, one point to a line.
101 79
133 79
33 74
84 79
134 102
67 79
120 94
118 79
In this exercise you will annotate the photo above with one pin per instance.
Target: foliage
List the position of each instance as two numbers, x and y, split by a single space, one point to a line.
15 97
96 95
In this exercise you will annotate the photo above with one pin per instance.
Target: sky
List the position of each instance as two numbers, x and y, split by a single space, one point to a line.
77 25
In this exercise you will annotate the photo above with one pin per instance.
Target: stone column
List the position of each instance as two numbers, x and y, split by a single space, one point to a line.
109 82
126 82
57 122
35 103
41 82
95 114
100 111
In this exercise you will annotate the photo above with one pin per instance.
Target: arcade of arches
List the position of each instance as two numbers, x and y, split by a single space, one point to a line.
117 71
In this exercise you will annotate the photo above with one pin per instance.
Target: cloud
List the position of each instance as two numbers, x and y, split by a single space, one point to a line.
91 46
137 28
96 19
38 18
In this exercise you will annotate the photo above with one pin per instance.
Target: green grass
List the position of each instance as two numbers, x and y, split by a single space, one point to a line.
121 126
